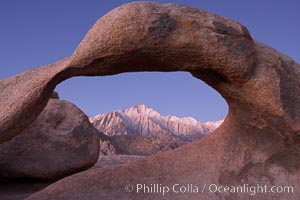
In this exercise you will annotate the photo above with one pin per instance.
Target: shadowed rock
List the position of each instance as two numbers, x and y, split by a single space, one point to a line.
60 142
258 143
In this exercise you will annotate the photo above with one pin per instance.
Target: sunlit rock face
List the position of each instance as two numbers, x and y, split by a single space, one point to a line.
258 143
141 120
140 130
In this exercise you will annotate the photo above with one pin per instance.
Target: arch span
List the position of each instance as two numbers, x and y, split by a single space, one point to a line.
138 37
154 37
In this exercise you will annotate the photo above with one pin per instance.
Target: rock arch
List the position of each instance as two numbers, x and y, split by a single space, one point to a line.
137 37
259 140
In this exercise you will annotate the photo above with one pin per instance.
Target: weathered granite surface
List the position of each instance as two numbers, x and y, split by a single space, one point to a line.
60 142
258 143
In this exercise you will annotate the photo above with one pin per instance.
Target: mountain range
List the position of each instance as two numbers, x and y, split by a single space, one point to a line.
140 130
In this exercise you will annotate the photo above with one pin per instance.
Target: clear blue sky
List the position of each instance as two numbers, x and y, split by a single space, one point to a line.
35 33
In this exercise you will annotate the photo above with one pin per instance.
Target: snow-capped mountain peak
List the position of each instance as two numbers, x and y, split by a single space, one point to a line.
141 120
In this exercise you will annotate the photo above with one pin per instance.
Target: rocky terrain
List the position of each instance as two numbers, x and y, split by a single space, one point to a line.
258 143
60 142
140 130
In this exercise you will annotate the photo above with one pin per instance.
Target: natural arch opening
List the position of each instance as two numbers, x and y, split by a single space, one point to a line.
147 112
172 93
